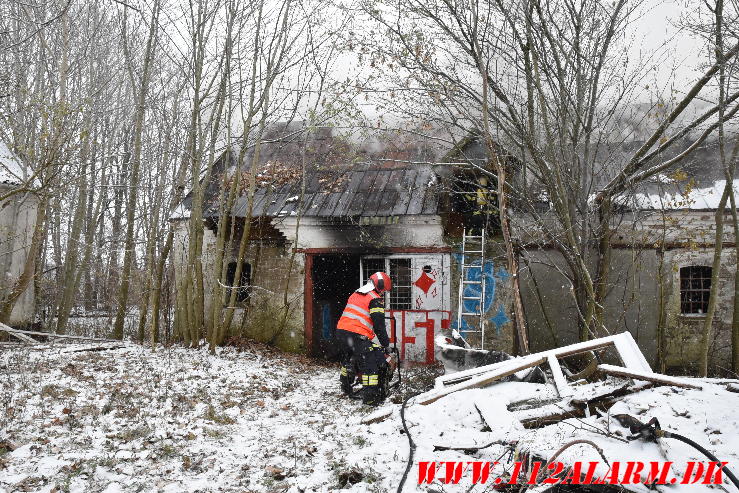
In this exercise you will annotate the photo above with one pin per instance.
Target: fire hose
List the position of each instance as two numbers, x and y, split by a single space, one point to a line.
651 431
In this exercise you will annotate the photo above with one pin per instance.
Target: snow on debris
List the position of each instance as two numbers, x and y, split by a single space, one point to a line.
179 419
174 420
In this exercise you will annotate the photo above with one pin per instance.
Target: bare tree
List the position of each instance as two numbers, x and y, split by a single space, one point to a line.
557 91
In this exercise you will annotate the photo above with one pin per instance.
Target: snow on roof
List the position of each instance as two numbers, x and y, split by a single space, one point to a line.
12 170
180 212
695 198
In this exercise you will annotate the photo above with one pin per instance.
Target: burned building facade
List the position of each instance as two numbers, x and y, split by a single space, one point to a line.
318 234
325 215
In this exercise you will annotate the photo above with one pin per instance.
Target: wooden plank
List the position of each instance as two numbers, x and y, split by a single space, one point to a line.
552 413
514 366
563 389
23 337
620 371
627 344
377 416
630 354
10 330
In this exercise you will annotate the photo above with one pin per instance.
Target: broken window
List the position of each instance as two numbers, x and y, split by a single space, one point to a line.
242 287
695 289
399 270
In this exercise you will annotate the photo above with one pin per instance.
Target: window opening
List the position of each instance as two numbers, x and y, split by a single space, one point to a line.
242 287
399 270
695 289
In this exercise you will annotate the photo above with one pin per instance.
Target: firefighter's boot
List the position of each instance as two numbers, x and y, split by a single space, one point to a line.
372 390
347 380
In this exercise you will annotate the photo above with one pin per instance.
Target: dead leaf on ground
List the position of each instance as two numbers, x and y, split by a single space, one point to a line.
276 472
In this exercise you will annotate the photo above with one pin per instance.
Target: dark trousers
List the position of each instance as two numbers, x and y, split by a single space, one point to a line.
360 356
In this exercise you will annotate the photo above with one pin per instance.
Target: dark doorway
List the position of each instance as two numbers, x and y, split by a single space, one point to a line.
335 277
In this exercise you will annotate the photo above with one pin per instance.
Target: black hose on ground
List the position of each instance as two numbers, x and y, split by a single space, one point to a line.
411 444
684 439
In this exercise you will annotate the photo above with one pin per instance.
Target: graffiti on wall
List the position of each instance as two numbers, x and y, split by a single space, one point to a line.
427 285
415 331
493 311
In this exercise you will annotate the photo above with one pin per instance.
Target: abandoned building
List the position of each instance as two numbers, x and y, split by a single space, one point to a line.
18 206
325 215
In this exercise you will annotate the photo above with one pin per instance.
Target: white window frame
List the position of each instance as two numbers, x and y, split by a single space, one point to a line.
387 259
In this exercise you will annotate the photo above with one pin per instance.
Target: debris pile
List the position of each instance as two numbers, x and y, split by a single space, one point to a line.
599 401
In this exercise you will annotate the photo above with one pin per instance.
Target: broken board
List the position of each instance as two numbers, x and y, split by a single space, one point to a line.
620 371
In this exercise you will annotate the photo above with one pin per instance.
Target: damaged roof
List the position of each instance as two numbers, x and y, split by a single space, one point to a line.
383 175
367 189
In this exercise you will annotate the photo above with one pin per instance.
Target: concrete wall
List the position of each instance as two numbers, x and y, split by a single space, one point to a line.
271 268
270 263
17 220
684 332
633 299
394 232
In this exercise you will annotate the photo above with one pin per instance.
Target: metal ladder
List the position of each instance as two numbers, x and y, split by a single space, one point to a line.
473 257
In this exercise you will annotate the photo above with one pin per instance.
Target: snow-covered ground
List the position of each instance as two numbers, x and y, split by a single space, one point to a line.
177 419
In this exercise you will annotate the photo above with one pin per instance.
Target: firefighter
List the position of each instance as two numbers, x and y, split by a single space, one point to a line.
362 320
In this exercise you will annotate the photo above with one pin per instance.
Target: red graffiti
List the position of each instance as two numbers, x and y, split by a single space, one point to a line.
424 282
416 330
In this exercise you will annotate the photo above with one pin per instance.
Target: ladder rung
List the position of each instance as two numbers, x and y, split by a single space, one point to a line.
472 251
468 237
471 314
471 297
472 282
470 266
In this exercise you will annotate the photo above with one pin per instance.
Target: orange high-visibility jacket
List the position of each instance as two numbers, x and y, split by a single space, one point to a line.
356 316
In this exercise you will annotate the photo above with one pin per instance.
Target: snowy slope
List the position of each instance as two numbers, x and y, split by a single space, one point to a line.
178 420
182 420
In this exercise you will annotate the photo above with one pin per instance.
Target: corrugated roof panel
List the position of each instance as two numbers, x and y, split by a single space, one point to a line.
405 189
284 193
360 191
390 194
363 194
260 202
355 179
372 203
431 200
316 204
420 190
329 204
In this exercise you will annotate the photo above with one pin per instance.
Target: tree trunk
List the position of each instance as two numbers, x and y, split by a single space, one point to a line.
129 251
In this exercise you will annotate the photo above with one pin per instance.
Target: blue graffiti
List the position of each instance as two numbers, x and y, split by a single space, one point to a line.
500 319
475 290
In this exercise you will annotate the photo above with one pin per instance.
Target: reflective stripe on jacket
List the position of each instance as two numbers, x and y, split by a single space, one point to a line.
356 316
